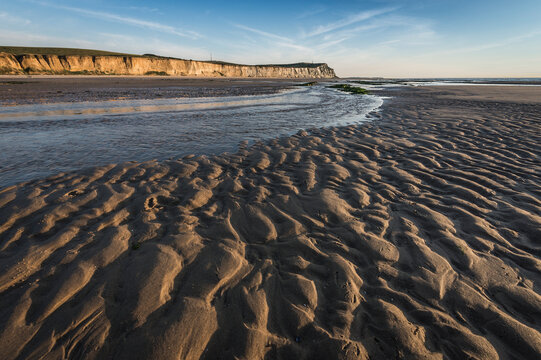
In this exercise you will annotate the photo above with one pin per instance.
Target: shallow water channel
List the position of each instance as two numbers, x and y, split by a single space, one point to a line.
44 139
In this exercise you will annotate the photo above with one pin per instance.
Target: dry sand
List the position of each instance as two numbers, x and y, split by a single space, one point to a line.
416 236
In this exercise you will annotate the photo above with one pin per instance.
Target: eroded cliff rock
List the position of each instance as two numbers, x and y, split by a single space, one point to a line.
11 64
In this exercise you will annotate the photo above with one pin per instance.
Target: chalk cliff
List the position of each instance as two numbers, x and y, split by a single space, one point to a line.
151 65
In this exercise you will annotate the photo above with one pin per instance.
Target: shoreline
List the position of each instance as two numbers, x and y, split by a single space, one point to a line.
88 134
53 89
413 236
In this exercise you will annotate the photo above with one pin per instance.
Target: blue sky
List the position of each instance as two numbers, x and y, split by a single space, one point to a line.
409 38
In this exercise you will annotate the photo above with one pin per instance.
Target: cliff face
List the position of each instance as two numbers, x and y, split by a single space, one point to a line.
132 65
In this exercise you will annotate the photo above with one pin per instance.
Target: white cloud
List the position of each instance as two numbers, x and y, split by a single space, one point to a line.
144 9
331 43
362 16
312 12
278 40
7 18
126 20
129 44
23 38
263 33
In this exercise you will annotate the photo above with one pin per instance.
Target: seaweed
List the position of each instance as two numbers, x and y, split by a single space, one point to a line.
350 89
312 83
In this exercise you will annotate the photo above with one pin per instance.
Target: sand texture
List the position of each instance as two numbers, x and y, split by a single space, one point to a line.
416 236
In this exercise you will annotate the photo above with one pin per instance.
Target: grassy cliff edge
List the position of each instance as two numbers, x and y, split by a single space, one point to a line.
65 61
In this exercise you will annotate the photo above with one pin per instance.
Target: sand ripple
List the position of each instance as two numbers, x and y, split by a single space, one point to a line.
416 236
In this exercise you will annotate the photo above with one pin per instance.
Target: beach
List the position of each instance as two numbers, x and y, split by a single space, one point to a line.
413 236
101 124
36 89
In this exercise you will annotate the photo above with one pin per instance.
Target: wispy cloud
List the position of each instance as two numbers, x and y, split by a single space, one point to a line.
263 33
125 20
330 43
138 45
293 46
144 9
362 16
412 31
18 38
311 12
277 40
352 32
12 19
389 42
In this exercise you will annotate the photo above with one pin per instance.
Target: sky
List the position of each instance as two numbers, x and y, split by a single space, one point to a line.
377 38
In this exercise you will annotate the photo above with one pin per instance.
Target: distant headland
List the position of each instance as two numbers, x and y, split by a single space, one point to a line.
67 61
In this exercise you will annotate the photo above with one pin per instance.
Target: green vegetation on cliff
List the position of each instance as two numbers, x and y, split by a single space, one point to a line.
15 60
22 50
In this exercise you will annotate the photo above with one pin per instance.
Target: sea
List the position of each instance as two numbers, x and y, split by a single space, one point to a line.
447 81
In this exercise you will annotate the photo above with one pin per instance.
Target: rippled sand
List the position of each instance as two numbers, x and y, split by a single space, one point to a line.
415 236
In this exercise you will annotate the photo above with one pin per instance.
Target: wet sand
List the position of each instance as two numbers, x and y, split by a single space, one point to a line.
415 236
45 89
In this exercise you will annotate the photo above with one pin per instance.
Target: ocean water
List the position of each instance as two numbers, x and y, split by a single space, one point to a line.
382 83
477 81
480 81
44 139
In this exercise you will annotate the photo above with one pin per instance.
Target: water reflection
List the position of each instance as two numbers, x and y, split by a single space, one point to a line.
42 111
41 140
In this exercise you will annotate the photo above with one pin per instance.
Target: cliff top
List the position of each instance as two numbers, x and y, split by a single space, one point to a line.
21 50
